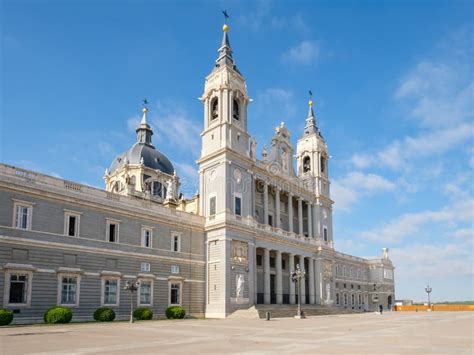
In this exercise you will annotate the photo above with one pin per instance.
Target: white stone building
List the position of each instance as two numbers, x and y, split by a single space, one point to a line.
232 246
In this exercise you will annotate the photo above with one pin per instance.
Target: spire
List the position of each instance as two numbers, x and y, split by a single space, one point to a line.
225 52
144 131
310 126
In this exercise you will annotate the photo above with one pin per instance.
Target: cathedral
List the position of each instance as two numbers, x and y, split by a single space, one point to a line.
230 249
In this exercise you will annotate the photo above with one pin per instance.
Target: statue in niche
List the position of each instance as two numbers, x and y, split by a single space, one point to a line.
239 285
328 291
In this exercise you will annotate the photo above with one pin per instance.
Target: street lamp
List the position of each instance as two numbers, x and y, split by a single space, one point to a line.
297 276
428 290
132 287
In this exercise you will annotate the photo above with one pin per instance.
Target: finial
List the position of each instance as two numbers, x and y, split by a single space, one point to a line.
310 103
225 28
145 103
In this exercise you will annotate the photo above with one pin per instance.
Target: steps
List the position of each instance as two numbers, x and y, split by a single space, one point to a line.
286 310
250 313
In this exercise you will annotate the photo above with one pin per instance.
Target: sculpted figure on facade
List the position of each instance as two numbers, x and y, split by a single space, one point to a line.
239 251
239 285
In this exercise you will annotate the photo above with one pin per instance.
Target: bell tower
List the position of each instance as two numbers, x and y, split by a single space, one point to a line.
225 104
312 160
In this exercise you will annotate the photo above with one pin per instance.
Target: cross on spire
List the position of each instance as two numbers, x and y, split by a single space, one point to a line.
226 15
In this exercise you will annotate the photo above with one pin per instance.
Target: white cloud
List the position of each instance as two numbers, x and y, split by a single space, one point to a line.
173 127
435 260
347 191
275 102
410 224
133 122
400 153
438 93
304 53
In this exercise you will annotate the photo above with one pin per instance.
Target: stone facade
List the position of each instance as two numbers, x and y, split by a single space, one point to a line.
233 245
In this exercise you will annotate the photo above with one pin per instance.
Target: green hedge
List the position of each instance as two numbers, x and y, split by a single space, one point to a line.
143 313
104 314
175 312
58 314
6 316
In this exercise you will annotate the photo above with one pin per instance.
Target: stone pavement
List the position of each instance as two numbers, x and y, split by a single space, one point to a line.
390 333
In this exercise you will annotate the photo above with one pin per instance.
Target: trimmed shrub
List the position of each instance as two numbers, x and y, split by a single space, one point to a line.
104 314
175 312
143 313
58 314
6 316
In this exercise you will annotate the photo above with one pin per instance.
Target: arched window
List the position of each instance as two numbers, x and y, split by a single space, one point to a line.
157 189
337 299
235 110
306 164
214 108
323 164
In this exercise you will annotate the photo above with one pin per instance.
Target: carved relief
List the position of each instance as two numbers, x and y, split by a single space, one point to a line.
327 269
239 285
239 252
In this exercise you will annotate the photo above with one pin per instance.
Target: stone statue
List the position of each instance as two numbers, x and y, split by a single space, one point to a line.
239 285
253 148
264 153
328 291
385 253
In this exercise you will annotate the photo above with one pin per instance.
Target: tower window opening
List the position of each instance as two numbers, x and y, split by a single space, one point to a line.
323 164
214 108
306 164
235 110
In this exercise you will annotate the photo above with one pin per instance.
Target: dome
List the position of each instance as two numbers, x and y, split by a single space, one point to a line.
152 158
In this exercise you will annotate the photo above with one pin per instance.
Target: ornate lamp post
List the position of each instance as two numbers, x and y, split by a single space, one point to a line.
132 287
297 276
428 290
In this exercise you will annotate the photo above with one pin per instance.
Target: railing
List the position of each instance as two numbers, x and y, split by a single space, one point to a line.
12 174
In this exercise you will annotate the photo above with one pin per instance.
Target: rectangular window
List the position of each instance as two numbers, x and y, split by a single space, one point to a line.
238 206
18 289
22 216
110 291
175 242
325 234
212 206
259 260
68 290
270 220
71 224
112 231
146 237
175 294
283 264
145 292
272 262
145 267
175 269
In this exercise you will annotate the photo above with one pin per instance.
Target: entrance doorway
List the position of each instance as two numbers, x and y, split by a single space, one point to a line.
272 289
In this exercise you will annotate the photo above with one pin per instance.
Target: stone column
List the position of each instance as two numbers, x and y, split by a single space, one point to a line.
291 266
290 213
310 224
277 207
303 283
311 280
300 215
253 196
278 279
252 255
319 280
266 276
316 223
265 203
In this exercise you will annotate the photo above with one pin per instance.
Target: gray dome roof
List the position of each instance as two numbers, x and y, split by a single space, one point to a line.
152 158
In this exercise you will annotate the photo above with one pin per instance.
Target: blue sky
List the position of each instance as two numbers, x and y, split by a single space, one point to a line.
393 85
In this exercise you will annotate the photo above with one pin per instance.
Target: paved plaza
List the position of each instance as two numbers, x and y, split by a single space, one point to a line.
391 333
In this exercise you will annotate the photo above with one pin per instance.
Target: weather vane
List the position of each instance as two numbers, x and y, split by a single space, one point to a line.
145 102
226 16
310 98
